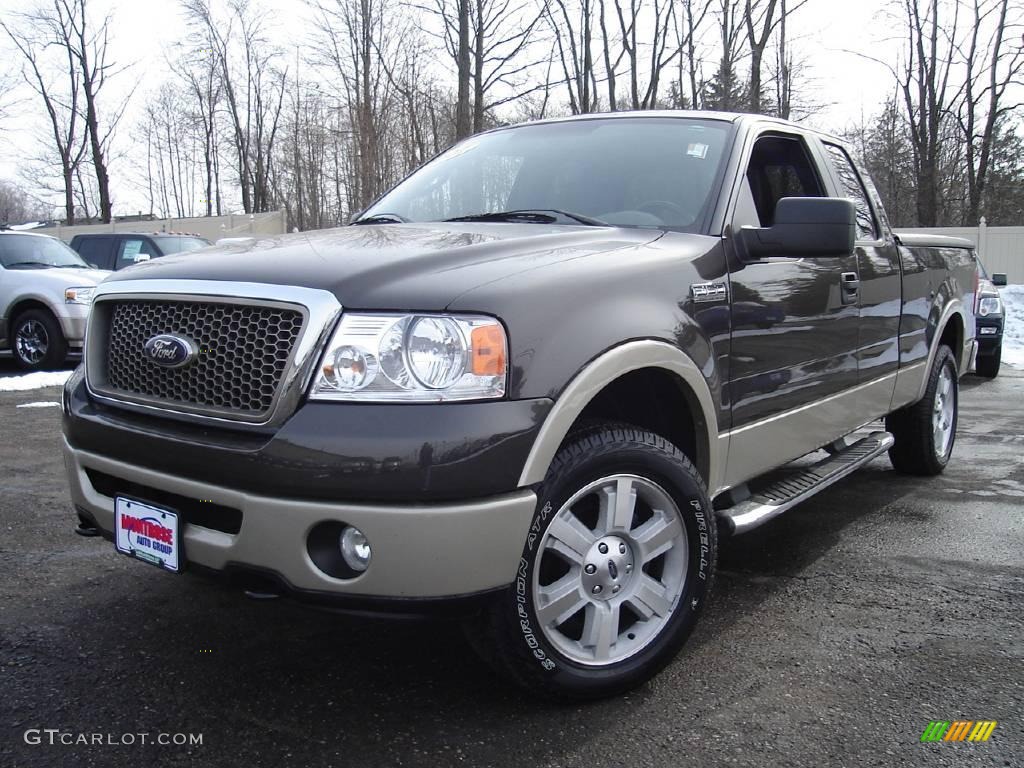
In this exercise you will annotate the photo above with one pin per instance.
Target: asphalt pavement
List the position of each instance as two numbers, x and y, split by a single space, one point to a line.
835 634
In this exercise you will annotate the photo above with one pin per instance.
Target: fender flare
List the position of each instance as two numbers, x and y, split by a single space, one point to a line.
953 307
601 372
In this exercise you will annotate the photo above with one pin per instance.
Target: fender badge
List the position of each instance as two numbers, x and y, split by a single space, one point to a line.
707 292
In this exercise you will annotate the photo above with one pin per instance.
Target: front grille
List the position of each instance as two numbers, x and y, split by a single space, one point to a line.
243 353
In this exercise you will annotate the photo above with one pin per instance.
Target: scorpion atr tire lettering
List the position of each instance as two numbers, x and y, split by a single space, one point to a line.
615 569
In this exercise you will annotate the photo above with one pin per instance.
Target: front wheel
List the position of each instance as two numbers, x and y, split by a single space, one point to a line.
615 570
925 431
988 366
38 341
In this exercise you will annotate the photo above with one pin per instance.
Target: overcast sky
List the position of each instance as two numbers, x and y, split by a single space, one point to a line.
145 31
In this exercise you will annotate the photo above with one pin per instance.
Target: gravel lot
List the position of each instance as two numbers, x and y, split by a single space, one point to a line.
835 634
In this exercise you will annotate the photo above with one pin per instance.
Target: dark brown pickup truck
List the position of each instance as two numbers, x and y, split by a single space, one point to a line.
530 385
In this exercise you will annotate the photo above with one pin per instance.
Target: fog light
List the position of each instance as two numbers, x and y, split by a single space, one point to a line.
355 549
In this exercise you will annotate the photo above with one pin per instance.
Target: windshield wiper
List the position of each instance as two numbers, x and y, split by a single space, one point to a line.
29 264
534 215
382 218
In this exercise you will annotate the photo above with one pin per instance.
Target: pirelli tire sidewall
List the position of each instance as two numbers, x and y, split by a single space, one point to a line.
600 451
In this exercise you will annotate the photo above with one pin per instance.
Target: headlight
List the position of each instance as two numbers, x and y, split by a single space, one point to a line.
420 358
990 305
82 295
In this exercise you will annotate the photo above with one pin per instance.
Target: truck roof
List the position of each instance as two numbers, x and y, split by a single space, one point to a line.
728 117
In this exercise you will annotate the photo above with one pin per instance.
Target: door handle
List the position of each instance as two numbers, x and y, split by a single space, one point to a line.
850 287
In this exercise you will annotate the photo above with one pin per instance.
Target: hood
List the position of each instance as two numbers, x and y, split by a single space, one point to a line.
393 266
58 277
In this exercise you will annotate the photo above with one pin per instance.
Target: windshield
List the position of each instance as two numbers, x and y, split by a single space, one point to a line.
627 172
169 245
33 251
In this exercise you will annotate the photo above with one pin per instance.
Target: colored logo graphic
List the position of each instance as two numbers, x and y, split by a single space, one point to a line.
959 730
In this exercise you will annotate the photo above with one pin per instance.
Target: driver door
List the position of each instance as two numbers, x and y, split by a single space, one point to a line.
794 325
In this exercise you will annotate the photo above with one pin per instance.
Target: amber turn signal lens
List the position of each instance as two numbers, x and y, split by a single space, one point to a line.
489 350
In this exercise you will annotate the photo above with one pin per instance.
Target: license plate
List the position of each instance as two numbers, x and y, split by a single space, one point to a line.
148 533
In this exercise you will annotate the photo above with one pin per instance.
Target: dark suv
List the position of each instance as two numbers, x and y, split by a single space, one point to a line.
117 250
990 318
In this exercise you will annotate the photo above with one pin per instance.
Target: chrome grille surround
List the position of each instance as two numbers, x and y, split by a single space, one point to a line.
191 304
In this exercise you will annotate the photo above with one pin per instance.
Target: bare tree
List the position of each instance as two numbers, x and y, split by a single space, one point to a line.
359 46
658 23
200 71
17 206
725 91
690 16
60 99
925 84
572 27
489 41
253 87
994 61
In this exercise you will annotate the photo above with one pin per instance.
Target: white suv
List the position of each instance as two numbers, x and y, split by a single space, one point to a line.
45 295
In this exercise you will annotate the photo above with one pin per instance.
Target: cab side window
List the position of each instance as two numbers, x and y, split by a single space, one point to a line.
133 250
780 167
854 189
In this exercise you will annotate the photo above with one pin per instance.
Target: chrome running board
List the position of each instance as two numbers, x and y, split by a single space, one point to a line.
785 494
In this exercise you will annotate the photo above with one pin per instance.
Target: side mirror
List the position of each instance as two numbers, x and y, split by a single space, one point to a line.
999 279
804 227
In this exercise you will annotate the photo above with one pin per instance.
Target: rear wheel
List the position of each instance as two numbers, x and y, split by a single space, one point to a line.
37 341
614 573
988 366
925 431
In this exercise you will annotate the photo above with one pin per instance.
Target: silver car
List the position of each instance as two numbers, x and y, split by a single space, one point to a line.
45 295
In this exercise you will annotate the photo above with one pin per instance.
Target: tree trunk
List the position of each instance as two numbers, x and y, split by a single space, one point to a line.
478 70
463 127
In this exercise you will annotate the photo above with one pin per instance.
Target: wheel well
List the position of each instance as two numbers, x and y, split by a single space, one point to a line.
20 308
953 337
656 400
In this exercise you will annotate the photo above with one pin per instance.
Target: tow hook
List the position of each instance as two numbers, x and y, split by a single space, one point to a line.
86 528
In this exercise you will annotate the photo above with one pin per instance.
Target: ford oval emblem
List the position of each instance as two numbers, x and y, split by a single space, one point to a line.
169 351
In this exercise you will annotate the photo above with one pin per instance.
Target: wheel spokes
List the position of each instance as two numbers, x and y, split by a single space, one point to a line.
601 629
568 536
649 599
561 600
656 536
616 505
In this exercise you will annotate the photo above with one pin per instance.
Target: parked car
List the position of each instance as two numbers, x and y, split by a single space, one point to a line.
117 250
495 393
990 318
45 293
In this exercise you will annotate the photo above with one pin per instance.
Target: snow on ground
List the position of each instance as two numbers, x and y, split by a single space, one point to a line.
40 404
1013 332
34 381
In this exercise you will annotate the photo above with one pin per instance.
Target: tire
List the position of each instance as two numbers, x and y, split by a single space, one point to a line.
988 366
926 431
654 573
37 341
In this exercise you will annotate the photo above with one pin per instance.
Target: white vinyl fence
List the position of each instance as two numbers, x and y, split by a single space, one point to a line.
1001 249
213 228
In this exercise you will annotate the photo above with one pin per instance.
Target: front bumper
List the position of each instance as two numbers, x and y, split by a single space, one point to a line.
989 334
420 551
73 319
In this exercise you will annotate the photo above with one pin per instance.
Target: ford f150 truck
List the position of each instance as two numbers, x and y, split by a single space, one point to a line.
532 383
